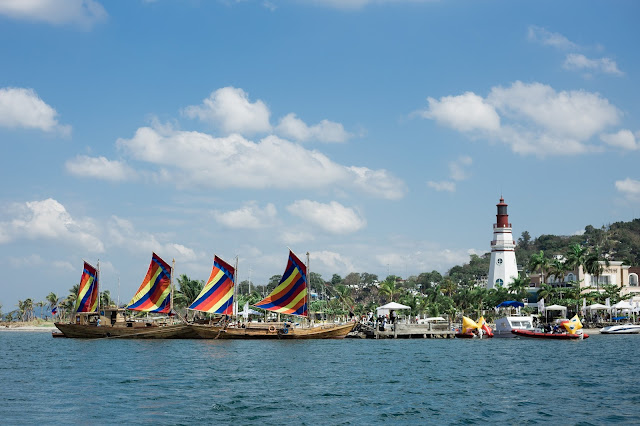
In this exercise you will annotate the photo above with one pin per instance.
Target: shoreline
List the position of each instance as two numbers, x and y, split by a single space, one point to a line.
44 327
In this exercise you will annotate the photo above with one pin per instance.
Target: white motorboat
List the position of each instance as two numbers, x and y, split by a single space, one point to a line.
504 325
621 329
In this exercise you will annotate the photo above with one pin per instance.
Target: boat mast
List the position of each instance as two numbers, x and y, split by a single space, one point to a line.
235 290
98 285
173 266
308 290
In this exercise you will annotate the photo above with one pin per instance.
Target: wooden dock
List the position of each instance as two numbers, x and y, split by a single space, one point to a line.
403 331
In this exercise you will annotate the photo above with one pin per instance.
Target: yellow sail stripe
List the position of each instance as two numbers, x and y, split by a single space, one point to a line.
293 303
222 301
285 283
83 291
215 279
147 287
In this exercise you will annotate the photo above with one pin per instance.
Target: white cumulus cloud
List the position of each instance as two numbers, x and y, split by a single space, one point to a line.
466 113
531 118
123 234
333 217
100 168
189 158
84 13
629 187
49 220
576 61
250 216
231 110
624 139
22 108
294 128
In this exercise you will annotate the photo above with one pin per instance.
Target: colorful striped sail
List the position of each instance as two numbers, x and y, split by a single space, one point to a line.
87 299
290 296
154 294
217 295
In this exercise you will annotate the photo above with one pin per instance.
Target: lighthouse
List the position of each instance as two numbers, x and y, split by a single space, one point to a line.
503 268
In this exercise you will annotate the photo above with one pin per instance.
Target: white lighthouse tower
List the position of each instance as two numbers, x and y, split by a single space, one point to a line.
503 268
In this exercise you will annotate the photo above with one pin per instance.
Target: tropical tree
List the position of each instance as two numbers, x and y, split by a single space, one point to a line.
105 299
518 287
52 299
539 261
558 269
448 286
575 256
187 291
389 288
343 294
546 292
593 266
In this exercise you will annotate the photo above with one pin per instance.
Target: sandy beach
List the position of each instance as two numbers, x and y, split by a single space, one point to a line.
15 327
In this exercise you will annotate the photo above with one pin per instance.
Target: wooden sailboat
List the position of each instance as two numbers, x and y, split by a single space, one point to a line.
153 296
289 297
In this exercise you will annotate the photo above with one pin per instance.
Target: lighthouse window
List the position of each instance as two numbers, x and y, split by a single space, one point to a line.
499 261
499 282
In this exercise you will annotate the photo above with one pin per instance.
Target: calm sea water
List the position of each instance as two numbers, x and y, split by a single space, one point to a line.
352 381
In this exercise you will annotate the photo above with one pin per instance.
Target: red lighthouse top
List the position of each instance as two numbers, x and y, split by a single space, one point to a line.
502 216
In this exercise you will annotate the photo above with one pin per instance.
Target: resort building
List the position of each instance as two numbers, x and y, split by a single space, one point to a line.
503 267
616 273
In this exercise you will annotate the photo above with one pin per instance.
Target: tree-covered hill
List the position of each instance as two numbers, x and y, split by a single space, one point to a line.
619 241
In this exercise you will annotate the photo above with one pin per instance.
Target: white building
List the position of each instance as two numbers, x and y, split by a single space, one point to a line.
503 267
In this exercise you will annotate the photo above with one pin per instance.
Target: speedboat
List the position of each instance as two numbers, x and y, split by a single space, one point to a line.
556 336
504 325
621 329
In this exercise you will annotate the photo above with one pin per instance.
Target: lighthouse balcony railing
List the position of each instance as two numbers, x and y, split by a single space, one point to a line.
495 225
494 242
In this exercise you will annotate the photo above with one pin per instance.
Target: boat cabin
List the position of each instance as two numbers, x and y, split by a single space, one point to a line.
504 325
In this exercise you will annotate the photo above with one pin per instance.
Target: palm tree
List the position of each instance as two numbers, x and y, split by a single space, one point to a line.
518 287
52 298
547 293
575 256
389 288
593 266
105 298
558 269
538 261
448 286
188 291
344 296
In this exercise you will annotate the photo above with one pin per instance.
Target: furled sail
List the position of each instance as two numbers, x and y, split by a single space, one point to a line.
217 295
87 299
154 294
290 296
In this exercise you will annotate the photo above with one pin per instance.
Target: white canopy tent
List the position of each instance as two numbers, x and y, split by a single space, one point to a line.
392 306
597 306
622 305
561 308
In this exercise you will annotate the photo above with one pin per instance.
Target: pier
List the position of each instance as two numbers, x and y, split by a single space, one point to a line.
402 331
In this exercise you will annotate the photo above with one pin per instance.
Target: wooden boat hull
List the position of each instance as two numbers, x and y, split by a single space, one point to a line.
83 331
556 336
273 332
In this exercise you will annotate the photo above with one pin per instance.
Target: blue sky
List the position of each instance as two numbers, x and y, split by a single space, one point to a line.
376 135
